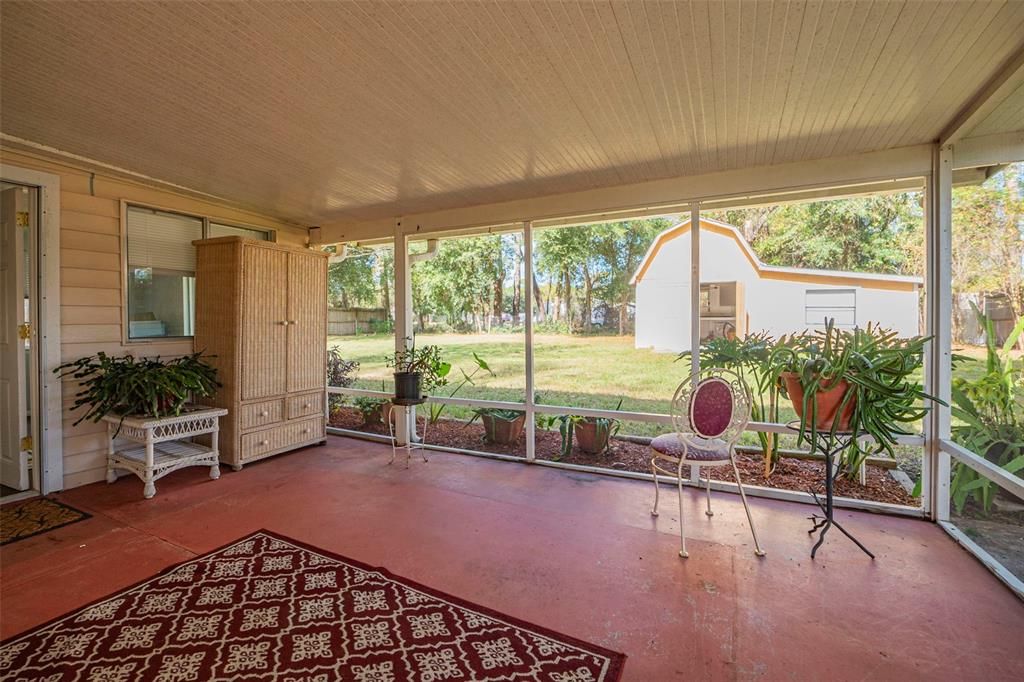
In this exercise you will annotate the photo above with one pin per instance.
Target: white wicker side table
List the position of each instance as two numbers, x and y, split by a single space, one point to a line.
164 446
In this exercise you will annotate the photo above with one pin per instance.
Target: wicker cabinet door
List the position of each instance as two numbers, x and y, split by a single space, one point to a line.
307 328
264 322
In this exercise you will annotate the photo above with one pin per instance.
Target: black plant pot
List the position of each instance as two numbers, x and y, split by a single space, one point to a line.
407 385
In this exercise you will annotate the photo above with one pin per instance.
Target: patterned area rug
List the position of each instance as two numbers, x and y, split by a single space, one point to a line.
270 608
20 520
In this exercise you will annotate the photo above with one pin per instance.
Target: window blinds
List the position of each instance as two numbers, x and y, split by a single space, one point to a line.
162 240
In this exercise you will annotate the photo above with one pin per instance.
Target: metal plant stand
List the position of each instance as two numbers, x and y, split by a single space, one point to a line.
165 444
832 449
410 424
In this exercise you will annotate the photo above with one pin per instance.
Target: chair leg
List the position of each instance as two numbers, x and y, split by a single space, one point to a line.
750 519
682 526
707 474
654 475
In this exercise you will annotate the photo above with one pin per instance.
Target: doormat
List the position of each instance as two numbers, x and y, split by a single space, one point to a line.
20 520
271 608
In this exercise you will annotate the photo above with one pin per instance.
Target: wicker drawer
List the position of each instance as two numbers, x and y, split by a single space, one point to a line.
255 415
260 443
305 405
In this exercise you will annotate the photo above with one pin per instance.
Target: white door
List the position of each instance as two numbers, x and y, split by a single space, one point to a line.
15 219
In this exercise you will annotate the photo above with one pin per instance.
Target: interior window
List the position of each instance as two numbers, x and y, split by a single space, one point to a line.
161 272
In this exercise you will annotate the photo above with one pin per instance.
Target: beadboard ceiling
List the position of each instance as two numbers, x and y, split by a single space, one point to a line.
360 110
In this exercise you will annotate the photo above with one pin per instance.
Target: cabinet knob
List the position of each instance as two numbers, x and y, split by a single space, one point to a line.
292 322
266 442
305 430
264 413
283 323
306 405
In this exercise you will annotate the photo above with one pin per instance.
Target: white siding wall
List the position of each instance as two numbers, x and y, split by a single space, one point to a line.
92 276
773 305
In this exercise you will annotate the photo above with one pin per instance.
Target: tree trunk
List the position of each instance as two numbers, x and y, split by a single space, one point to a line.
588 310
538 300
567 292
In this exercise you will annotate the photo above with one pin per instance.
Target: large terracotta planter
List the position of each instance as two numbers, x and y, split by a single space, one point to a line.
502 431
827 402
590 438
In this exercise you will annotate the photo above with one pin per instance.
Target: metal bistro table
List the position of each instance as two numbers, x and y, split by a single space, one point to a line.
410 423
832 449
165 444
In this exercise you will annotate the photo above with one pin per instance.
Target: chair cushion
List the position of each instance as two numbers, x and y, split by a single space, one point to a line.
697 450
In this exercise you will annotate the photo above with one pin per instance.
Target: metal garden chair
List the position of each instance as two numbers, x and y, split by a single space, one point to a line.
709 418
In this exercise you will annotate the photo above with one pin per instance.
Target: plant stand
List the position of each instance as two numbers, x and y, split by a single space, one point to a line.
832 450
164 447
410 424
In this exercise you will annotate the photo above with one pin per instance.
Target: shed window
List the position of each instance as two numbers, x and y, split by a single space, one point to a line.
162 269
830 304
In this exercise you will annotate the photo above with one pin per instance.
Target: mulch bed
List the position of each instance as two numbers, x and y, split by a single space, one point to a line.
790 474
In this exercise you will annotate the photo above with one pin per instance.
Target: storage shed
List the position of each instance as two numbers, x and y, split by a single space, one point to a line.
741 294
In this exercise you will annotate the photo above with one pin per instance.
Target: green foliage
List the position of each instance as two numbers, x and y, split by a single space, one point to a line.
566 423
871 234
437 409
340 373
750 358
990 415
880 368
147 387
425 361
496 413
371 408
362 280
587 264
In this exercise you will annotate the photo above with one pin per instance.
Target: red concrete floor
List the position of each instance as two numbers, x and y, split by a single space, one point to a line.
570 551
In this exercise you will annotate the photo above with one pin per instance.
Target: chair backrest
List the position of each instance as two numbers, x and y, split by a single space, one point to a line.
717 407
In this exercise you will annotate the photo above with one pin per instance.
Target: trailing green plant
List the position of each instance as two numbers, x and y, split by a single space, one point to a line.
750 358
369 407
148 387
425 361
437 409
879 368
988 415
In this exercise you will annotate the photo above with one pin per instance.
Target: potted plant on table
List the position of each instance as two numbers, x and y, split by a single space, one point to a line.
501 427
418 371
857 381
147 387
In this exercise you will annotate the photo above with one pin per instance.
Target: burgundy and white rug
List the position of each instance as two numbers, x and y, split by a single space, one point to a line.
270 608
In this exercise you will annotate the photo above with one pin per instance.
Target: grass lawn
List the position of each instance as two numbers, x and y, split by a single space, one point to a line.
578 371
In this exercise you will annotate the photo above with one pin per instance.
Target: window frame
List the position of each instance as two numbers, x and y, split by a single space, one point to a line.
126 338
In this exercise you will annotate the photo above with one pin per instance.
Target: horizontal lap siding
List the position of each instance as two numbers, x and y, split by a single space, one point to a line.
91 278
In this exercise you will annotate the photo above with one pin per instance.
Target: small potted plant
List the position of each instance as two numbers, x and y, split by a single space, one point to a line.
418 371
147 387
501 427
374 410
592 434
852 381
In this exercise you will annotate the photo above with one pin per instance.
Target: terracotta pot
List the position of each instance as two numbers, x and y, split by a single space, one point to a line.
590 438
502 431
827 402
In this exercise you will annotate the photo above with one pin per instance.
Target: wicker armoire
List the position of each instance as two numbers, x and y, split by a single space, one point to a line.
261 311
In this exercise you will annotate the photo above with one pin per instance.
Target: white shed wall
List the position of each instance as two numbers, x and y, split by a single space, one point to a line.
773 305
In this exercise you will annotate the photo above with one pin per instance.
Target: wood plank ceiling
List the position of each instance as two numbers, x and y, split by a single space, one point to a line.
360 110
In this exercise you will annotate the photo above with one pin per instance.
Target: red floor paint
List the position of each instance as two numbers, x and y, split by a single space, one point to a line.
574 552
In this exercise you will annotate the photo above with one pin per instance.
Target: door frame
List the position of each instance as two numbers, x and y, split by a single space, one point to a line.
49 452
